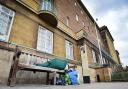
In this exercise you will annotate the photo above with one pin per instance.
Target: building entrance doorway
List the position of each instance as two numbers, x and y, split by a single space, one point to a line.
98 77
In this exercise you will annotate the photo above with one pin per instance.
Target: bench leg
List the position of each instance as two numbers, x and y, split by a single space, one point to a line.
55 78
12 77
47 81
12 80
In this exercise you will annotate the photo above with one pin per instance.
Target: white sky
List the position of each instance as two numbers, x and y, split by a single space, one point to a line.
113 14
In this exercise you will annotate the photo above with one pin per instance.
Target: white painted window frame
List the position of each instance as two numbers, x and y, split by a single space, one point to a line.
75 4
47 5
77 17
6 38
67 45
83 23
45 50
67 21
94 56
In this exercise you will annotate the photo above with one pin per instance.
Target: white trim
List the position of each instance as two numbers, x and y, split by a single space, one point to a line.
71 50
75 4
77 17
6 38
10 28
83 23
98 40
47 5
94 56
82 12
67 21
45 50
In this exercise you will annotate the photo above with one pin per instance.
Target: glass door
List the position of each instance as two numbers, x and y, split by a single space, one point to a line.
47 5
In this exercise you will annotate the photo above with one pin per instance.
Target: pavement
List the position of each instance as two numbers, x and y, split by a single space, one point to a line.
116 85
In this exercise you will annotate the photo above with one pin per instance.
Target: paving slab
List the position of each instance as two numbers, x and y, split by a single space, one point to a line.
116 85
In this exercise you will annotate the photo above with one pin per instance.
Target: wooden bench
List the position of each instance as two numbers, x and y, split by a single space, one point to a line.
19 64
30 54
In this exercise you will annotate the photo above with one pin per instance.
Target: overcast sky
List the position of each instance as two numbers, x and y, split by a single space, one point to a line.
113 14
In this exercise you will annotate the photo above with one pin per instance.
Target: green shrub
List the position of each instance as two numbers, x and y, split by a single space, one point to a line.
120 76
125 75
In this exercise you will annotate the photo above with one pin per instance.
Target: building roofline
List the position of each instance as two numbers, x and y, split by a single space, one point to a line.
87 12
104 53
105 28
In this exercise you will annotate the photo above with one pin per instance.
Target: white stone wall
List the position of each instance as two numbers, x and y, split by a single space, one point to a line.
5 65
86 70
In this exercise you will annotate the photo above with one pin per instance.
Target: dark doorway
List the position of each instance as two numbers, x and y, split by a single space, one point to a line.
86 79
98 77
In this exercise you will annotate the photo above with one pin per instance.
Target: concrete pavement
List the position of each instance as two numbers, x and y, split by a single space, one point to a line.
117 85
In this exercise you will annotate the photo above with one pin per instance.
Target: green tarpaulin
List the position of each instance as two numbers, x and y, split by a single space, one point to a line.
54 63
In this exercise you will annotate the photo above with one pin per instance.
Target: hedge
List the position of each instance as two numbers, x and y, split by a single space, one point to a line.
120 76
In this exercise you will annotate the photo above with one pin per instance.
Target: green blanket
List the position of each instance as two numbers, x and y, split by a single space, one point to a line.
54 63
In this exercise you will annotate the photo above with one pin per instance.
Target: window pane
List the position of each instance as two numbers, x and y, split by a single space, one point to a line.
69 50
41 39
4 23
77 17
47 5
45 40
94 56
49 42
67 21
6 17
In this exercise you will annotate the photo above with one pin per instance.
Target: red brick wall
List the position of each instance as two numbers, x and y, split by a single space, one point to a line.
67 8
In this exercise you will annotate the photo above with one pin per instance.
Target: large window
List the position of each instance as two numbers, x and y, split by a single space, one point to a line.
45 40
69 50
6 20
67 21
47 5
77 17
103 60
94 56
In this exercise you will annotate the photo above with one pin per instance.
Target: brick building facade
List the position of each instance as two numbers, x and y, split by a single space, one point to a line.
59 28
